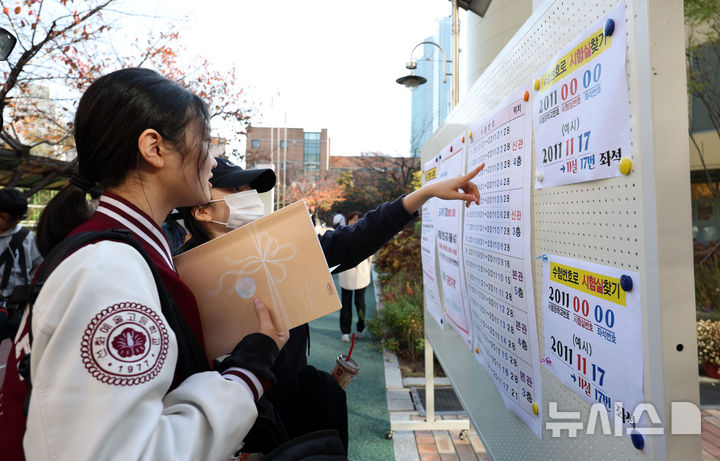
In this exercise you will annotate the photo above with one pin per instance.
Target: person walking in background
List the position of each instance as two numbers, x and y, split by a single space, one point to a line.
19 256
338 220
353 283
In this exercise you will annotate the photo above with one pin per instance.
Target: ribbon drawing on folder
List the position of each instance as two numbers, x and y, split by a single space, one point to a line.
270 258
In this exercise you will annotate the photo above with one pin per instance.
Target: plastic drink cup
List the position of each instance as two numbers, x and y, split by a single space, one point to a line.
344 370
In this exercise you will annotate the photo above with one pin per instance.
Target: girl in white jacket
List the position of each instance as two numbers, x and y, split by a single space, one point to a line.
109 379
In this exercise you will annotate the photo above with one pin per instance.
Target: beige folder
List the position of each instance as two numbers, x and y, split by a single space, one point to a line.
277 258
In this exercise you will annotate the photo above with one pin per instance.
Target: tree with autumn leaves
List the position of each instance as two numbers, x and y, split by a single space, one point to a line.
320 196
378 178
63 45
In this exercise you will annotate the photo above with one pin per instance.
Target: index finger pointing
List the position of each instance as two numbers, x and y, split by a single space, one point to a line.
474 172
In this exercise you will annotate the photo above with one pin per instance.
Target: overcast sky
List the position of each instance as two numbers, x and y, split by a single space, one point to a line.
317 63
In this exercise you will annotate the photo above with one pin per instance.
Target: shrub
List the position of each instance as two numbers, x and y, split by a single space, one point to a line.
708 336
401 254
400 324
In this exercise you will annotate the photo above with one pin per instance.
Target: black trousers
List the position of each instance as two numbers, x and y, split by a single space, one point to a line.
346 310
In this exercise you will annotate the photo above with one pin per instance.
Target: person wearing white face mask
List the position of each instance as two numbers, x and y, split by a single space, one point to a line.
234 201
343 248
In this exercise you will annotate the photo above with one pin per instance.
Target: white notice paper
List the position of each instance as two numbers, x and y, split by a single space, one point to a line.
496 249
431 290
581 111
593 333
449 240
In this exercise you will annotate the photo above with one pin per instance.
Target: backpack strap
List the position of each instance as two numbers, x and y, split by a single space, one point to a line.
8 256
191 358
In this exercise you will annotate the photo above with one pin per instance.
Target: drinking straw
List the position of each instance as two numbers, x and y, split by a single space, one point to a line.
351 348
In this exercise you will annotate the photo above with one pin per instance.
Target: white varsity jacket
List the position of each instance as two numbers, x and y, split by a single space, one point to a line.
103 359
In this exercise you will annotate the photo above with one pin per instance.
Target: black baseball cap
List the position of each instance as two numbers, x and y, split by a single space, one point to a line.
227 174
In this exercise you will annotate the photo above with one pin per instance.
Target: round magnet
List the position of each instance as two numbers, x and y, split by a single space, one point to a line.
470 135
526 96
477 350
536 410
539 176
450 148
609 27
637 440
536 84
463 140
625 166
626 283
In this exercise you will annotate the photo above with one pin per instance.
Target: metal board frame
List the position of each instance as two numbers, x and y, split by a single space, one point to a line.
640 222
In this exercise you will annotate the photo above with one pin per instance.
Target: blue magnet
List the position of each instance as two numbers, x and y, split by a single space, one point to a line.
637 440
626 283
609 27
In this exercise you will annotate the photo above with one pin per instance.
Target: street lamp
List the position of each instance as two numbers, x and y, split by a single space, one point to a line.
478 7
413 81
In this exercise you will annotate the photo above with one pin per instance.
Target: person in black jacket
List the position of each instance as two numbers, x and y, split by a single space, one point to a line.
235 202
344 247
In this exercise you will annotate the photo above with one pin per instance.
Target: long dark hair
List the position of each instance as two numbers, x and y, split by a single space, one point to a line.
198 232
111 116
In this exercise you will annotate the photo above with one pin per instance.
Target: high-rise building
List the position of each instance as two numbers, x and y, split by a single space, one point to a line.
432 101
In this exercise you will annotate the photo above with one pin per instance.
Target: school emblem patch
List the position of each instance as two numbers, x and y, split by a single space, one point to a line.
125 344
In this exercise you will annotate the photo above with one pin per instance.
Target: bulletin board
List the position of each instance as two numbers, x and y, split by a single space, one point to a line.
638 222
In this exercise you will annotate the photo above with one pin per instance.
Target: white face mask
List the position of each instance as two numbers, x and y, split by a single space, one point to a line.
244 207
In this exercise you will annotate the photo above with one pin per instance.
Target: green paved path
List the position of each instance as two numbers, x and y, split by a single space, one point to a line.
368 417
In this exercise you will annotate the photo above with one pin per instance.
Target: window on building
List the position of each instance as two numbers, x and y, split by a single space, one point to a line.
283 143
705 205
311 154
704 63
255 143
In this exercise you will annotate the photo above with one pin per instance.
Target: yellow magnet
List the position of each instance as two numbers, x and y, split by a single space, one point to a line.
535 408
477 350
526 96
470 135
625 166
536 84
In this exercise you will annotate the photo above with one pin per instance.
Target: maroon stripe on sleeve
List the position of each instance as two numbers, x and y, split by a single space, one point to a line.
246 380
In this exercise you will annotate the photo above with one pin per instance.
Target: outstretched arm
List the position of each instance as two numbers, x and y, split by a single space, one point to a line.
447 189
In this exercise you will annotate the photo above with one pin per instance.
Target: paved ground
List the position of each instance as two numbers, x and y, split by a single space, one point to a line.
368 417
424 445
378 394
711 434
